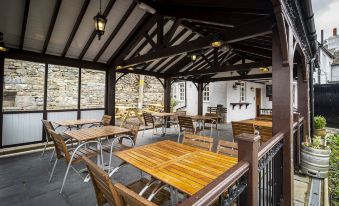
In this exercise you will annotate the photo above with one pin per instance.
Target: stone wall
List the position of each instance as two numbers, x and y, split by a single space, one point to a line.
92 88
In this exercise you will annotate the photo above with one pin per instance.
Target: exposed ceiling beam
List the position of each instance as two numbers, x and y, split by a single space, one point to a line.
252 50
91 38
52 59
238 34
160 31
24 23
171 32
76 26
116 30
144 24
246 77
150 40
141 71
235 67
51 25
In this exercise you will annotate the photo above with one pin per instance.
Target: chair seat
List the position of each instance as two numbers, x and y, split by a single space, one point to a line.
87 152
116 147
159 199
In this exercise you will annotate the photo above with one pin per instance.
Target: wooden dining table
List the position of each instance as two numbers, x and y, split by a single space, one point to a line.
165 116
76 122
185 168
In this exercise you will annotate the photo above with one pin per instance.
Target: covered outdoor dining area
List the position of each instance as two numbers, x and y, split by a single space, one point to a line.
59 77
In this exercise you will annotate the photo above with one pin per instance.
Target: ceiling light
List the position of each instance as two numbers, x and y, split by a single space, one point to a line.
130 68
100 23
264 69
194 57
216 42
118 67
3 48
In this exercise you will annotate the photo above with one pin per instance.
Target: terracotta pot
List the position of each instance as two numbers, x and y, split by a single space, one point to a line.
320 132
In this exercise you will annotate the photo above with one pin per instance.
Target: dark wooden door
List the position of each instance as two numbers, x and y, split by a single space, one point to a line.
258 98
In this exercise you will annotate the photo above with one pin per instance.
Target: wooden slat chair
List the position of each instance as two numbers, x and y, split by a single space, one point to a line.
239 128
105 121
150 123
186 125
265 133
174 119
47 125
201 142
117 194
227 148
213 123
72 156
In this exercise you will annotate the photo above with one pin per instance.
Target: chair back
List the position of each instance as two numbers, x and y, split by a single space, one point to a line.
104 190
227 148
60 146
186 123
106 120
202 142
265 133
239 128
134 127
131 198
148 118
211 115
47 125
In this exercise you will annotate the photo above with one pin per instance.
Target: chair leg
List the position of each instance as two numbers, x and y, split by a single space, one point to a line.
63 182
55 163
43 151
52 155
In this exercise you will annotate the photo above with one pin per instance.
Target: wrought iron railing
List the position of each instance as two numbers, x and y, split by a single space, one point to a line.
298 138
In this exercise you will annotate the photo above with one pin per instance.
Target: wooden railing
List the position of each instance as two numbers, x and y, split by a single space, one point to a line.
247 183
298 138
263 112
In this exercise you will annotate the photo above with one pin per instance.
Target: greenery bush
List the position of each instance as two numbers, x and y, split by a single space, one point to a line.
319 122
333 179
316 143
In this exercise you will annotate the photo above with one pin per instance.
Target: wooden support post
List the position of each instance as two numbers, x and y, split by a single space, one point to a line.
200 91
2 73
167 95
110 95
304 98
45 114
282 113
248 145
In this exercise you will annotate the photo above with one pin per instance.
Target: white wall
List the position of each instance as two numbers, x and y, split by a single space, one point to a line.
335 72
217 95
325 68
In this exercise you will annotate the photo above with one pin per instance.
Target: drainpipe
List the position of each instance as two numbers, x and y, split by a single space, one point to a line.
141 91
311 63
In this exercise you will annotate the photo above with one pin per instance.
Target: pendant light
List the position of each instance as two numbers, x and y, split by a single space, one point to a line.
100 23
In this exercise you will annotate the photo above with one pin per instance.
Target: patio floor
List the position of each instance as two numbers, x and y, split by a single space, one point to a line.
24 178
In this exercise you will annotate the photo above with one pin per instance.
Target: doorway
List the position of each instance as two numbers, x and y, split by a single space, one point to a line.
258 99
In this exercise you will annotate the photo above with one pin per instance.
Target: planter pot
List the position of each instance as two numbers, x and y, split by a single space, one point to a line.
315 162
320 132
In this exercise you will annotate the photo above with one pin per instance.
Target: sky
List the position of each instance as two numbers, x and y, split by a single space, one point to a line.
326 14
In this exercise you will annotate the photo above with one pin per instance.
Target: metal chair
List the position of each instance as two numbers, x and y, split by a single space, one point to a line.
201 142
72 156
174 119
186 125
213 123
105 121
227 148
150 123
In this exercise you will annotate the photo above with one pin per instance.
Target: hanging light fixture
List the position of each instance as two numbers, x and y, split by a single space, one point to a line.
216 42
100 23
3 48
194 57
264 69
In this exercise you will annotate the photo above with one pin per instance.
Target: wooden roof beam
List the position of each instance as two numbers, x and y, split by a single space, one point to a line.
246 77
24 24
51 25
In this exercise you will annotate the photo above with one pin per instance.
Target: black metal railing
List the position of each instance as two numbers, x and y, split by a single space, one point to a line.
298 138
270 170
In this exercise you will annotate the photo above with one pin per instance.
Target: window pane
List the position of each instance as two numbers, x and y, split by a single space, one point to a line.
62 87
92 89
23 85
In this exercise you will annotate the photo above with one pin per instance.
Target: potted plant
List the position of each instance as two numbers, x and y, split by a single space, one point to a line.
315 158
173 104
319 126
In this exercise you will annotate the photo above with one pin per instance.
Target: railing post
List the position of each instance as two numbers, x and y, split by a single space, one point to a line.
248 145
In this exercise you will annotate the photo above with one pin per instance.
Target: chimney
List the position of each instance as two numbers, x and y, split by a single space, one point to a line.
334 31
322 37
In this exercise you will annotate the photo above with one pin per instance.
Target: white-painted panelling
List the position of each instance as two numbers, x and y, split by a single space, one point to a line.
92 114
21 128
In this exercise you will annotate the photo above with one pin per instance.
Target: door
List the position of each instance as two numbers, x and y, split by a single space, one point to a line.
258 99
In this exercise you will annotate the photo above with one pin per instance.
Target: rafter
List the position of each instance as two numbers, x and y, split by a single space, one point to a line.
91 38
24 23
171 32
51 25
116 30
76 26
246 77
150 40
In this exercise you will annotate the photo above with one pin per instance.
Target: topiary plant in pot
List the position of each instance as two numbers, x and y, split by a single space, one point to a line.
315 158
319 126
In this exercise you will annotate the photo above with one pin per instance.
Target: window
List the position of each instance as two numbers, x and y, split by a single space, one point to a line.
92 89
242 87
206 94
181 91
62 87
23 85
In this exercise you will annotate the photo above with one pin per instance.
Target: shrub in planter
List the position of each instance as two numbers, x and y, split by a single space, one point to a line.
315 158
319 126
333 179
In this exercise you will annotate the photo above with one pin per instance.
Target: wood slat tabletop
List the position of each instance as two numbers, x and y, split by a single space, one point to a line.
185 168
76 122
203 117
258 123
163 114
95 133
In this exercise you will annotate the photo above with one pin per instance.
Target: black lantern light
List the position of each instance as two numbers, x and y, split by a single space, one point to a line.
3 48
100 23
216 42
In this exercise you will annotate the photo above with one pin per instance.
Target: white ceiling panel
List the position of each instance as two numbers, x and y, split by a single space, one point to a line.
39 18
68 13
11 15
